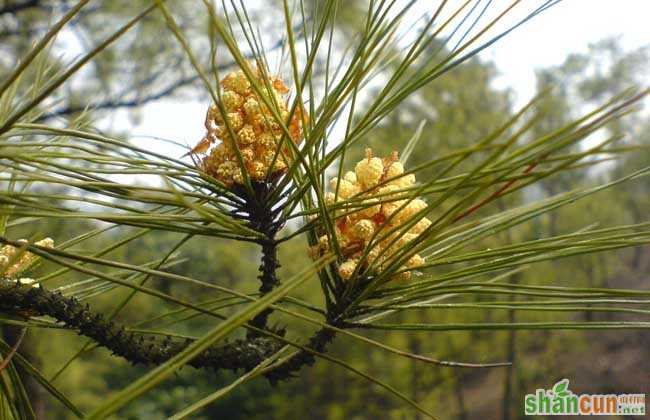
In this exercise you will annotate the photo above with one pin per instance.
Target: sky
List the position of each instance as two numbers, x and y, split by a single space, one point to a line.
546 40
567 28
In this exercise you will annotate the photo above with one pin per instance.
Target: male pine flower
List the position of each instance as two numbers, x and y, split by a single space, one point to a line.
13 263
373 188
249 125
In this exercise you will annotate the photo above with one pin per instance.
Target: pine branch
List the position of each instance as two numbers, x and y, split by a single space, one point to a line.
136 348
245 354
262 217
120 102
318 343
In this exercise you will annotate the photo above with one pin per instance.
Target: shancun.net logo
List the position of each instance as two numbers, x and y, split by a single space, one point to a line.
560 401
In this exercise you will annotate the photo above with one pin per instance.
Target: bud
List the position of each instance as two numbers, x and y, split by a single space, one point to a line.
369 171
347 269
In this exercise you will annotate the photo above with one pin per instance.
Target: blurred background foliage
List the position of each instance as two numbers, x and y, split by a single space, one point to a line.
460 108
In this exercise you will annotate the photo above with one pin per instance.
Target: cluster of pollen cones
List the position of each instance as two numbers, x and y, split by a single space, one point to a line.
245 129
249 125
380 227
13 261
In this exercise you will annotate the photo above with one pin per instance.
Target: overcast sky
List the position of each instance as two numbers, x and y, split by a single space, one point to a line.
566 28
546 40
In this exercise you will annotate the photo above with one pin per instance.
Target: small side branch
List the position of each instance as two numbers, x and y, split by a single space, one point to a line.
318 342
26 301
136 348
